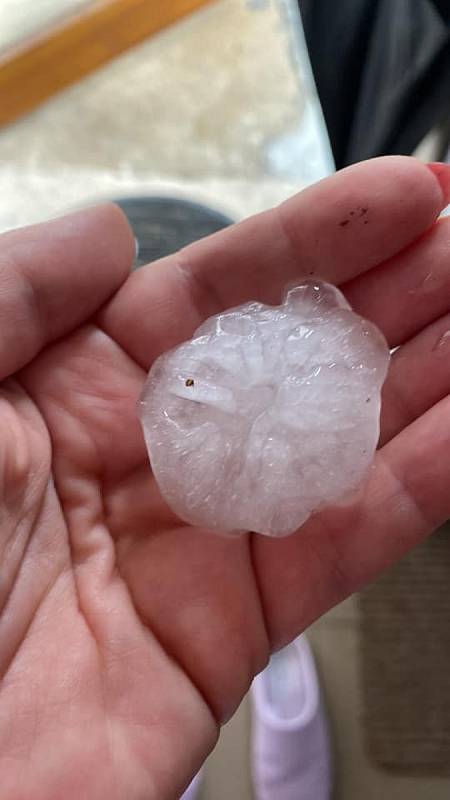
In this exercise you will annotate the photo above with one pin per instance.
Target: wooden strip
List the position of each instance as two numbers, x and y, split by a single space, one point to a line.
42 66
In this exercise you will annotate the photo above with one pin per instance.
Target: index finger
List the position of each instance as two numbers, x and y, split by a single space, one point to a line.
334 230
55 275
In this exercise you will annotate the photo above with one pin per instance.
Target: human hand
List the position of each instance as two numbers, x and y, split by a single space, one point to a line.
127 637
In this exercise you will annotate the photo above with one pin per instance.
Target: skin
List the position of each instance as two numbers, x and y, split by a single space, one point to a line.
126 637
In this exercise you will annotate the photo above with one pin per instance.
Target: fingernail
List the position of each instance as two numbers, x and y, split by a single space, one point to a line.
442 173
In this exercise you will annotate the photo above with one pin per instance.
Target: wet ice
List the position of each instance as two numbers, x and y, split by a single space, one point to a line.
268 414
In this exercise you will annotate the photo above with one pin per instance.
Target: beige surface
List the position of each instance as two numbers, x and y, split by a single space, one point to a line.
335 643
22 18
197 100
407 605
196 111
192 111
227 771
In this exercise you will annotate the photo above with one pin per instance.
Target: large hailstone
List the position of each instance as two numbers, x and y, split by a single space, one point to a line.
268 414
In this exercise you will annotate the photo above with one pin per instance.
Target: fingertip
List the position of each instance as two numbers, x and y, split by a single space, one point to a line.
111 233
58 274
441 172
414 175
409 174
105 228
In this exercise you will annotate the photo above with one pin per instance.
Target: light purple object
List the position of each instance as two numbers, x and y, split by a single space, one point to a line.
290 743
193 788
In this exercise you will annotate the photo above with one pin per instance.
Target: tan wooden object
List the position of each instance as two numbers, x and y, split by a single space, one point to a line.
38 68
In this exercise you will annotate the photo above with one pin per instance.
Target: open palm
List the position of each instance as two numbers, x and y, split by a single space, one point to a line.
127 637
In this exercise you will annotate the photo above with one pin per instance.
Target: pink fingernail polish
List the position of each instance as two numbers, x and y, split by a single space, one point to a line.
441 171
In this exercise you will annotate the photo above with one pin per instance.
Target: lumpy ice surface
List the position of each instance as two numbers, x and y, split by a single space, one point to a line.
268 414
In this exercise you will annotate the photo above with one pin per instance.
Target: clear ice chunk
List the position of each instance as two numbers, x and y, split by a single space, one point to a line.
268 414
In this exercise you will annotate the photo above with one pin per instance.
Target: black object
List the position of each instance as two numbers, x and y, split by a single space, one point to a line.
163 225
382 70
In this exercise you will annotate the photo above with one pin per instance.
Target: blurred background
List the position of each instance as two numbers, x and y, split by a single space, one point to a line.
235 105
209 108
